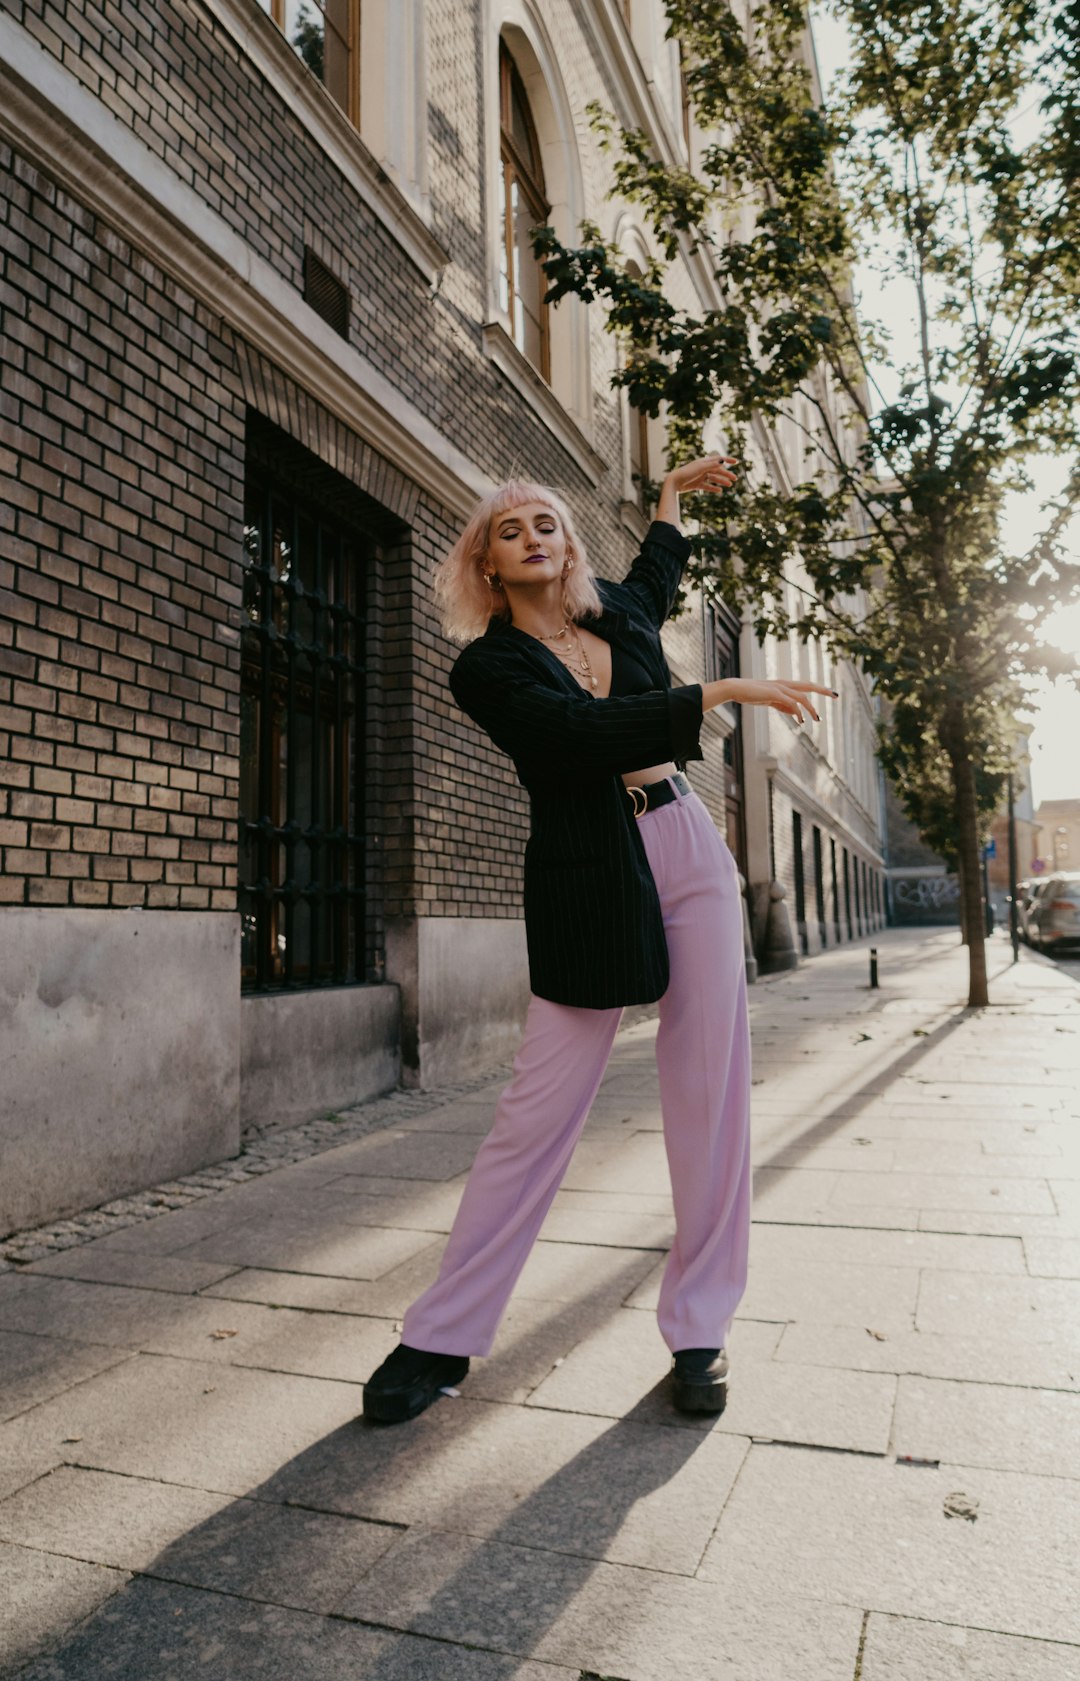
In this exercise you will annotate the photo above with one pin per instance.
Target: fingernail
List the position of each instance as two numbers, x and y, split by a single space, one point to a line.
836 692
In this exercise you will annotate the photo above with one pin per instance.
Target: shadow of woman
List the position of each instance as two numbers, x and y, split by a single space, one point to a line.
449 1547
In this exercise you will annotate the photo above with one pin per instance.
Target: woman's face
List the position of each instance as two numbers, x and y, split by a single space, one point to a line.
526 546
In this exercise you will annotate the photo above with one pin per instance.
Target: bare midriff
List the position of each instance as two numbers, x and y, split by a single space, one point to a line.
598 653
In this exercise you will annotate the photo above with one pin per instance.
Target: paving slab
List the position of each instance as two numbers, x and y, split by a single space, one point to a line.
23 1462
286 1556
181 1227
395 1153
217 1427
362 1200
112 1316
1037 1309
382 1298
983 1424
993 1191
857 1247
42 1594
34 1367
843 1155
624 1368
900 1649
165 1630
917 1156
313 1243
632 1493
638 1625
609 1162
197 1328
1053 1257
534 1339
465 1115
804 1196
839 1528
988 1224
568 1272
172 1273
102 1518
993 1138
969 1359
611 1227
834 1293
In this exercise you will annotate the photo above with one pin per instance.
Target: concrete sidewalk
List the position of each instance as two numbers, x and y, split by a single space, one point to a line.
891 1495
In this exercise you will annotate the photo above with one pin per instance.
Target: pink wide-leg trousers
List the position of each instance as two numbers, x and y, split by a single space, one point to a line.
703 1059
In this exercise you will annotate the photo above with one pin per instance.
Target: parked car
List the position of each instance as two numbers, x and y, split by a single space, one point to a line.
1054 914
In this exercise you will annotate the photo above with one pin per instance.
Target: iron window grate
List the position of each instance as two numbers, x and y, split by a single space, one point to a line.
302 854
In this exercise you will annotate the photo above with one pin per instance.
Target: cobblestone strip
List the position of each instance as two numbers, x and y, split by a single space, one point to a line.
260 1152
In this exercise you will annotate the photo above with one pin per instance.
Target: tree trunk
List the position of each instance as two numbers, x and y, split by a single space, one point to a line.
972 909
964 936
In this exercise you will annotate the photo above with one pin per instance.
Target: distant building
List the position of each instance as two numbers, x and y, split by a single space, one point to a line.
1058 835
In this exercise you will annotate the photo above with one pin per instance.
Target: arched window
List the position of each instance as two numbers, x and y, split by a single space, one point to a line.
524 205
685 102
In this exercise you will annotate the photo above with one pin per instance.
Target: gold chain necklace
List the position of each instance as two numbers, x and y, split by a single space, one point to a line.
582 666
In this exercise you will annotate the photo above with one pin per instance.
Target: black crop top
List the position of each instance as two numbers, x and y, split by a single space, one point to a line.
628 675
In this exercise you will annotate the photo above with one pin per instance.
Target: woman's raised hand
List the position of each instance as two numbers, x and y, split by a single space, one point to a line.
784 695
709 472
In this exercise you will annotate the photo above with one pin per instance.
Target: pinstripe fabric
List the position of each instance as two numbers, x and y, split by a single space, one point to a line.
592 915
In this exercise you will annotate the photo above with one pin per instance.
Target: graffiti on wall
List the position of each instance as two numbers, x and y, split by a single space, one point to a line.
926 899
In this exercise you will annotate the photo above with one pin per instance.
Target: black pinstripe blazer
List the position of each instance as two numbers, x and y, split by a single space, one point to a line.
592 915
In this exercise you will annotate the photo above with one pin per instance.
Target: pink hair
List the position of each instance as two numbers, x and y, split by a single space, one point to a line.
466 600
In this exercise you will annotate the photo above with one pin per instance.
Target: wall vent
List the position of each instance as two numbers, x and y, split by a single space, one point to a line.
325 293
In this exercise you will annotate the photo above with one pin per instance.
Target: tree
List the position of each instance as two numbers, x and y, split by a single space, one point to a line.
948 159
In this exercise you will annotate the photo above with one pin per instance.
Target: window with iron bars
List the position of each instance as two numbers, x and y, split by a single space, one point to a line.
302 856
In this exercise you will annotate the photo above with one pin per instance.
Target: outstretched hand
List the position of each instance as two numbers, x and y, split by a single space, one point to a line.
780 693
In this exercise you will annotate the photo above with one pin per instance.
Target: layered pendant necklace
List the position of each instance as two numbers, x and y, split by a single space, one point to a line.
578 661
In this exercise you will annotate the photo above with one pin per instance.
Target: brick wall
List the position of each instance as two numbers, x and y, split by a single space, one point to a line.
118 684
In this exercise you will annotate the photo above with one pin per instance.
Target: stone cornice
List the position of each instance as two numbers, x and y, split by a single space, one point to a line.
55 121
531 385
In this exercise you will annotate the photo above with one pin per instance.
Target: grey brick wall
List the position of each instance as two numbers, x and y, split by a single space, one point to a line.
118 714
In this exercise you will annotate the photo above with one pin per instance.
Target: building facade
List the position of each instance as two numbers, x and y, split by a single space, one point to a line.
271 324
1056 840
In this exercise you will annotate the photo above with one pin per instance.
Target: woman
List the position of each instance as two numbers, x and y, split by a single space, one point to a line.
631 895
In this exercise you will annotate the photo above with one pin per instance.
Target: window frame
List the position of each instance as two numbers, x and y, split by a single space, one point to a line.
529 175
275 10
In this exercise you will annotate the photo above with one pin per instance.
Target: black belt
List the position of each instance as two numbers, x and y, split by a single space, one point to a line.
657 793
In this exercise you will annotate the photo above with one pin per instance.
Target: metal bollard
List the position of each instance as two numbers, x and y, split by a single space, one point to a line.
873 966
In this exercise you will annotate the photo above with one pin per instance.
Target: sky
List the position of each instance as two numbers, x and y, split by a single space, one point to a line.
1054 711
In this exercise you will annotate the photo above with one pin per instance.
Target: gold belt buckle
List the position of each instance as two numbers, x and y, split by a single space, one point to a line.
634 791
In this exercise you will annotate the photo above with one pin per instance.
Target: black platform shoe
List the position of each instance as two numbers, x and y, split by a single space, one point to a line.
699 1380
408 1381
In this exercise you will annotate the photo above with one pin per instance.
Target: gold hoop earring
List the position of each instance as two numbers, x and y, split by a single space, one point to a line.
568 566
493 580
